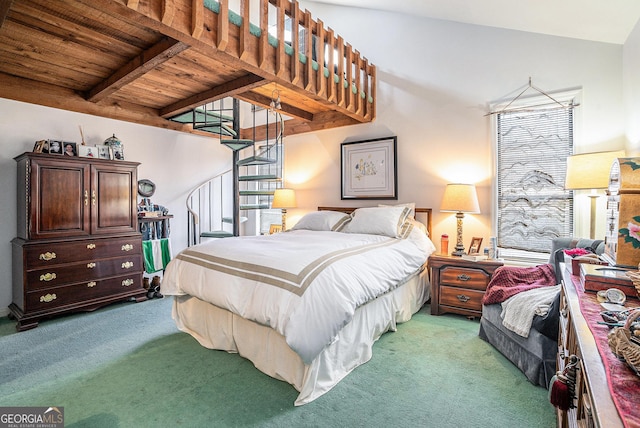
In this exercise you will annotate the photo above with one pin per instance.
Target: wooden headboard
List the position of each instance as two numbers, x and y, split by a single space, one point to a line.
423 215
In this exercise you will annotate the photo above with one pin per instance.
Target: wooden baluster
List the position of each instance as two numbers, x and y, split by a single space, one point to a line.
321 83
223 25
197 18
264 34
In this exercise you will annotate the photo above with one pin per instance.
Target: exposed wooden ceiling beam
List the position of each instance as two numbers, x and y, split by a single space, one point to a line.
324 120
137 67
229 89
287 109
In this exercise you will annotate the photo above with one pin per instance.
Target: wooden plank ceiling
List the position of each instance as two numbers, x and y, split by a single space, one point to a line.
148 60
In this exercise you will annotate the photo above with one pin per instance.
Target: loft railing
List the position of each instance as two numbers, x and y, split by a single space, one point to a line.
313 57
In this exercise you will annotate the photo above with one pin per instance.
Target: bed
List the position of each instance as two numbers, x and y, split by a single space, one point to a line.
306 305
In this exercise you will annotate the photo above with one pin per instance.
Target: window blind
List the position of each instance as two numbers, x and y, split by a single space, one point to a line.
533 206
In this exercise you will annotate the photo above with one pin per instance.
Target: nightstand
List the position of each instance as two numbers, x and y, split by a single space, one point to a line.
458 285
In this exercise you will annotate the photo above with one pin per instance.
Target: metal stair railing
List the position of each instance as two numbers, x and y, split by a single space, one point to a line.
206 216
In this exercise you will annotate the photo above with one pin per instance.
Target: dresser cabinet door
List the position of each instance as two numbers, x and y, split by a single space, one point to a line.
60 199
113 196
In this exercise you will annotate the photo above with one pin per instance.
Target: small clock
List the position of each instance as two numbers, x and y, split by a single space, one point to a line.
146 188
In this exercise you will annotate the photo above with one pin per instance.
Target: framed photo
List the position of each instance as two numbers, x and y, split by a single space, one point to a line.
275 228
117 153
54 147
475 245
70 149
88 151
103 151
38 147
369 169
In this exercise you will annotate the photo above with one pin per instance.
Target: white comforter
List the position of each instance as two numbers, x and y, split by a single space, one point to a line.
306 285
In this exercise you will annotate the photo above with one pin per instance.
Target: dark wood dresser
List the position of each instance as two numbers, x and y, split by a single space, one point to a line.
78 245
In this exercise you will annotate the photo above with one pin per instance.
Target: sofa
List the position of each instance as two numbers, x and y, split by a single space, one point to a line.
534 355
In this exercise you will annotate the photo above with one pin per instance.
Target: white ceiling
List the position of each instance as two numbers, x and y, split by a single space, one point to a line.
608 21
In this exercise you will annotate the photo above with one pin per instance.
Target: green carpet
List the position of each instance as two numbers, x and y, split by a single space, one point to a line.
126 365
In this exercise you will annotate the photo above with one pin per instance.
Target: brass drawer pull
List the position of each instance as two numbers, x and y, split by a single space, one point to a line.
48 277
86 198
93 197
464 277
91 246
91 265
48 298
127 247
127 282
127 265
91 284
47 256
463 298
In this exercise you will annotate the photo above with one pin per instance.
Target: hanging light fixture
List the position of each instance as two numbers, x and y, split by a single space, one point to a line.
275 101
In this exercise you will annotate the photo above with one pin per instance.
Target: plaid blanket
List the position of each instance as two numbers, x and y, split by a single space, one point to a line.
508 281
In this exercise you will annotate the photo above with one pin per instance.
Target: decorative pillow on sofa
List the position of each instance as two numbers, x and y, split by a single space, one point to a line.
387 221
322 221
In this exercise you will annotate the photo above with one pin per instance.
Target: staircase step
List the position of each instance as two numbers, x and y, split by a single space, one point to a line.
215 129
202 117
267 177
256 192
229 220
237 144
254 207
255 160
216 234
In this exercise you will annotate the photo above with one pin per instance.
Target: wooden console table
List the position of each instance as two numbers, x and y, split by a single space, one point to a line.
594 404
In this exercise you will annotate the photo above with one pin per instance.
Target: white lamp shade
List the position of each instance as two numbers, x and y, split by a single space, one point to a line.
284 198
460 198
590 170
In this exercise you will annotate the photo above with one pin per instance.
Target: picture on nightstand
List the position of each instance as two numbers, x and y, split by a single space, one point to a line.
475 245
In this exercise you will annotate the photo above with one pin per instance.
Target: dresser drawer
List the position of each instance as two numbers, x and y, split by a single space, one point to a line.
463 298
464 277
43 255
57 275
55 297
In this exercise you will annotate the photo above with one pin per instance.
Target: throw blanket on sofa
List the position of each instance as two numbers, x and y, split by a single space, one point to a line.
518 310
508 281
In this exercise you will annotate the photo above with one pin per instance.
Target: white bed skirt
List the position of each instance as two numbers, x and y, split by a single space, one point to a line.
217 328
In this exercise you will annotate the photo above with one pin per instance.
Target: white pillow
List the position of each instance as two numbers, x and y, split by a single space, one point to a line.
411 205
387 221
322 221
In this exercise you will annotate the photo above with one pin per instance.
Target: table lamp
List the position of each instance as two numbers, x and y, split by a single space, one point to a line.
283 199
461 199
590 171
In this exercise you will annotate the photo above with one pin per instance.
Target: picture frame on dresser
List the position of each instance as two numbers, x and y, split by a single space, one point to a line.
104 151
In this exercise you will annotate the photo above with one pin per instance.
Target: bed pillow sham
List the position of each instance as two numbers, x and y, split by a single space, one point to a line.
386 221
411 205
322 221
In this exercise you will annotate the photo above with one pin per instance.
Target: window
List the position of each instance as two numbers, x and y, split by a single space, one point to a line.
532 206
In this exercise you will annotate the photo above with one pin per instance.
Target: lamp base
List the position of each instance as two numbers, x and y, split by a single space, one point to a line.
458 252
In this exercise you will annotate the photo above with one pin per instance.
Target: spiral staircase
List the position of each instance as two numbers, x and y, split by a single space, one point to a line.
217 207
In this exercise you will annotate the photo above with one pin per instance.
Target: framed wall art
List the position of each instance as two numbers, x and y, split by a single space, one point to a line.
369 169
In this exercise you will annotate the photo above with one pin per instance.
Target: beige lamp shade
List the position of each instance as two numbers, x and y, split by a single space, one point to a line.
284 198
460 198
589 171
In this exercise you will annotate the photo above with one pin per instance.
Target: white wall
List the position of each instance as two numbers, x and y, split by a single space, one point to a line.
435 80
175 161
631 65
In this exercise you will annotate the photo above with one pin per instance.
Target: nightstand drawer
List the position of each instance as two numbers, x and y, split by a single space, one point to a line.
461 298
464 277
